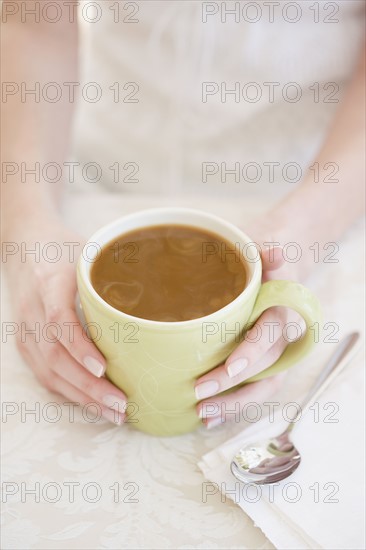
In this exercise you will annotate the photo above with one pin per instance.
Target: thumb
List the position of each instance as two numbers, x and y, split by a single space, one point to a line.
272 258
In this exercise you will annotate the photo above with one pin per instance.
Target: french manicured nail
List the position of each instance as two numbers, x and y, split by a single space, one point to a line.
206 389
113 416
94 366
114 402
214 422
237 366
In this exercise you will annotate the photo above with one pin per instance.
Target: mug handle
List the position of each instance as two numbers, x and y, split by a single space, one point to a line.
299 298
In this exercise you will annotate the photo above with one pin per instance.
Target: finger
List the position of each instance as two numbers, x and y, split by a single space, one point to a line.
58 299
259 340
272 258
73 394
101 390
231 407
262 346
55 383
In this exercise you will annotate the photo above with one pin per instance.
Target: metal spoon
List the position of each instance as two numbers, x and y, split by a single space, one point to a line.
275 459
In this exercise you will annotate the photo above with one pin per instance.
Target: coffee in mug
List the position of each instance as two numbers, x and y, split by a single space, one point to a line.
169 273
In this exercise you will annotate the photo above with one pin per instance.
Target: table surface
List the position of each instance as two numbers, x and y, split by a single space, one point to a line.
132 490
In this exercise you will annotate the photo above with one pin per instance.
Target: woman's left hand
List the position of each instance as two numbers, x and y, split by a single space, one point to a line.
250 357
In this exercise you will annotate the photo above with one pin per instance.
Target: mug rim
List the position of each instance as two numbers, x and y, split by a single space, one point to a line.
97 236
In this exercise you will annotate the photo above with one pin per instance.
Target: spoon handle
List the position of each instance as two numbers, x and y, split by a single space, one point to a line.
335 364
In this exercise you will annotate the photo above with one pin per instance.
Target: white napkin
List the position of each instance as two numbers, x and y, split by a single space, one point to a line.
322 504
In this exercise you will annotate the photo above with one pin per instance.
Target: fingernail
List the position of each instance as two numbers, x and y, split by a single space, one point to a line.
214 422
237 366
114 402
94 366
206 389
113 416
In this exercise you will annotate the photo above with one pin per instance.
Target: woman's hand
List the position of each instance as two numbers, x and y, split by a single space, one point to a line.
43 293
261 347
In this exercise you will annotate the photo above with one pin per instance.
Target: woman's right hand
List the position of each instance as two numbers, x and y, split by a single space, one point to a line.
43 296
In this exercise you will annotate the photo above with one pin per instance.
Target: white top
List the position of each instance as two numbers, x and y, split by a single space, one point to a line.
288 70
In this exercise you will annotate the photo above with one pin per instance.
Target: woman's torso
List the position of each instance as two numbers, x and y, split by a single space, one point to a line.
191 102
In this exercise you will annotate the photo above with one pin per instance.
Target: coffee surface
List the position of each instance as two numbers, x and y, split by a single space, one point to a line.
169 273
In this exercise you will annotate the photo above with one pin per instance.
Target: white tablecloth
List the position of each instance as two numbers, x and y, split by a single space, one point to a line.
160 502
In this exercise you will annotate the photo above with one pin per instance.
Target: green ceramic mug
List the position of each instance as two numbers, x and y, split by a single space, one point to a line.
157 363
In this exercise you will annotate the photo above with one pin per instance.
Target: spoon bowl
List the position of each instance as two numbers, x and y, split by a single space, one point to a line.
267 461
